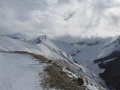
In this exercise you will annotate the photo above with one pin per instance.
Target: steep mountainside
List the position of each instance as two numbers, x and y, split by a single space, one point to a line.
104 54
94 57
94 60
8 44
111 75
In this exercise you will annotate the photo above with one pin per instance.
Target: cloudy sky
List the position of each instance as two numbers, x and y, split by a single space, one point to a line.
57 18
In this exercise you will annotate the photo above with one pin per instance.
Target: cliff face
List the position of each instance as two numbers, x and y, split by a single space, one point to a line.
111 75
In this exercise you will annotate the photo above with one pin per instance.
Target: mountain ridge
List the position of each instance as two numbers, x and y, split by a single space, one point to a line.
82 57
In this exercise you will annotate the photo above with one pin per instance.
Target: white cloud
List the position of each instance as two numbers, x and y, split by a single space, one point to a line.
56 18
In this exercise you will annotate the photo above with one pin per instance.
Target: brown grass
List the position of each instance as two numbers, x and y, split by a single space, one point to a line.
55 78
39 58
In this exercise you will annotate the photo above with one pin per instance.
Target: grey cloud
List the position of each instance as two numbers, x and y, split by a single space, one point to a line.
63 1
115 20
25 5
58 18
69 16
74 39
102 4
22 7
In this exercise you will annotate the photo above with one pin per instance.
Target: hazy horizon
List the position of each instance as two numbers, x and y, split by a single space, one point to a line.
60 18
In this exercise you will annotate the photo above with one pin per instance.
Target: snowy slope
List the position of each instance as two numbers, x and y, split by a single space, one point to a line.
82 58
8 44
51 52
88 54
45 47
19 72
83 52
98 58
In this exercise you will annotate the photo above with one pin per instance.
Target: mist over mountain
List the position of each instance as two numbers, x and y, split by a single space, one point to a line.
95 60
58 18
79 38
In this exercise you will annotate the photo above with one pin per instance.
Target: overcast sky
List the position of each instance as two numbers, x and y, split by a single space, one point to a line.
58 18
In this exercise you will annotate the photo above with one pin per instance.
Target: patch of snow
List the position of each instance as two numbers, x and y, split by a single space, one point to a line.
19 72
109 60
70 74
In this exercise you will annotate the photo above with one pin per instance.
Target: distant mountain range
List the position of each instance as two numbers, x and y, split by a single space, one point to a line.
98 61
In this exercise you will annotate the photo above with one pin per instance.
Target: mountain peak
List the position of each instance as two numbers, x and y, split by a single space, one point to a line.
41 38
45 37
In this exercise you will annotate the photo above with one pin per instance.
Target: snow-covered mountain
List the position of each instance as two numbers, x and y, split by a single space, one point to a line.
94 57
90 59
101 58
